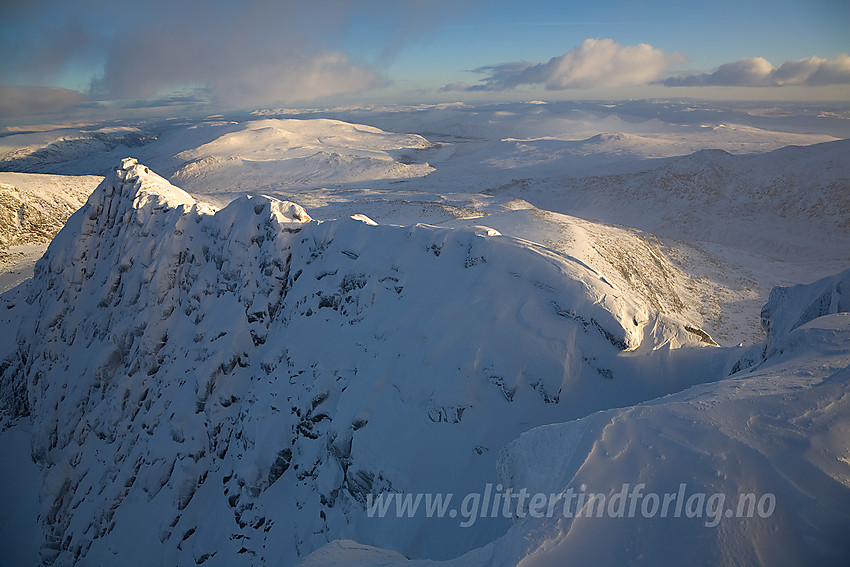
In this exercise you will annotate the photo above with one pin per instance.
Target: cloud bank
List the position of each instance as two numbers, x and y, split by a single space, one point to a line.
595 63
250 54
236 54
17 100
759 72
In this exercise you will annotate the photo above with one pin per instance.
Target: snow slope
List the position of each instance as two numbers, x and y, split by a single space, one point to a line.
228 386
34 207
630 261
50 151
778 430
776 203
300 153
791 307
20 478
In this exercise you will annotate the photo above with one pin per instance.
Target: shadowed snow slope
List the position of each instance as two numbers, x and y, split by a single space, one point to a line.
792 307
779 203
228 387
779 433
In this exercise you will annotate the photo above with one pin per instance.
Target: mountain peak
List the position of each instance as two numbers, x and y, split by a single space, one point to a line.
209 358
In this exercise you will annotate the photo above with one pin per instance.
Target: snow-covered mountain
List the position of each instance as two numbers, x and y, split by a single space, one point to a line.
303 153
52 151
216 375
257 374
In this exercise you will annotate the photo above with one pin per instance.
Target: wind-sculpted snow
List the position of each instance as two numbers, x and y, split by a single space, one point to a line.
228 387
778 433
789 308
792 307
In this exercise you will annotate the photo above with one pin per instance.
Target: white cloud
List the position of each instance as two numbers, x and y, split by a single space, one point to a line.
456 86
595 63
759 72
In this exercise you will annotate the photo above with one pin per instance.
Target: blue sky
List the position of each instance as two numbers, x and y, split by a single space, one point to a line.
91 55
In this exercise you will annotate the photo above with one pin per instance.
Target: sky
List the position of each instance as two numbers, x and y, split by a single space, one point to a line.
90 57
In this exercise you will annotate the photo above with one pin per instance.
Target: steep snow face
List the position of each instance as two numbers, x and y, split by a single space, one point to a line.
792 307
779 433
301 153
229 386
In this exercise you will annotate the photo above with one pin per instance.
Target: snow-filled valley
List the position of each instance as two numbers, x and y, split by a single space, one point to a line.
260 323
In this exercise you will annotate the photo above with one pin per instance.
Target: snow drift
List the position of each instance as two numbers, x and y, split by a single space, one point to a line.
228 387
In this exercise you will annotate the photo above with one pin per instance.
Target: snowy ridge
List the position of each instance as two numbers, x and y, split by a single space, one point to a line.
250 363
46 151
